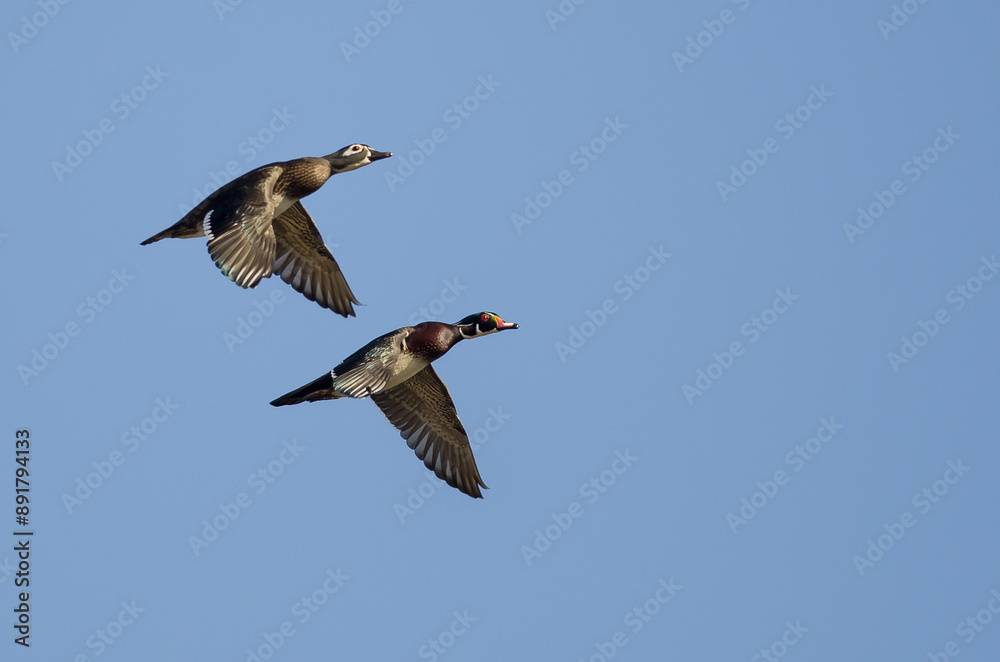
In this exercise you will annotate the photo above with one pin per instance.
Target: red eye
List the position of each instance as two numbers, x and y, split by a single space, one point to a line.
485 318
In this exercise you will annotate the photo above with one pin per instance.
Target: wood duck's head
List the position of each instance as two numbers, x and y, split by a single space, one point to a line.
482 324
353 157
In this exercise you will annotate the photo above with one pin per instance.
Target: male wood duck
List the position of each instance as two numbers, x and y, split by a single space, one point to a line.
395 370
256 226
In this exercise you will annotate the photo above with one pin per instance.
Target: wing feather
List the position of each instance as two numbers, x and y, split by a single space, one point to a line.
368 370
306 263
422 410
239 226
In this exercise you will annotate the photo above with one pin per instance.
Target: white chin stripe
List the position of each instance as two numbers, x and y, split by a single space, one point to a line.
206 225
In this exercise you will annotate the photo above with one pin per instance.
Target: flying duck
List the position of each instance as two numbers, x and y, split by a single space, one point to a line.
256 226
395 370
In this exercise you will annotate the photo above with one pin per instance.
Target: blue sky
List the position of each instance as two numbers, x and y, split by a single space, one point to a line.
750 411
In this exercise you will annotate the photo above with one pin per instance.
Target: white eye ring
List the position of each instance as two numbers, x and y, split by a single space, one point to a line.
356 148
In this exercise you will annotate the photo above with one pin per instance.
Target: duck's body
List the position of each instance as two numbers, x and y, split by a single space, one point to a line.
395 371
256 226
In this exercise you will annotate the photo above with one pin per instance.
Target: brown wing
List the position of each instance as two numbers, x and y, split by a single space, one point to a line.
422 410
241 240
304 262
364 372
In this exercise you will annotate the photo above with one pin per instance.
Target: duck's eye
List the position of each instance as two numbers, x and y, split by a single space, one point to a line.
484 317
356 148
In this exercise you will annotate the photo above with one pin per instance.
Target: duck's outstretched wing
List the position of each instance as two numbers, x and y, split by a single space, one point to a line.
422 410
304 262
238 225
363 373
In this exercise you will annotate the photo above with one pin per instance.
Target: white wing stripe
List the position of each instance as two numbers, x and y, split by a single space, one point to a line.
206 225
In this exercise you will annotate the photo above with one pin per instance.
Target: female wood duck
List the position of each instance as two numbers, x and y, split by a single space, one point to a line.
395 370
256 226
